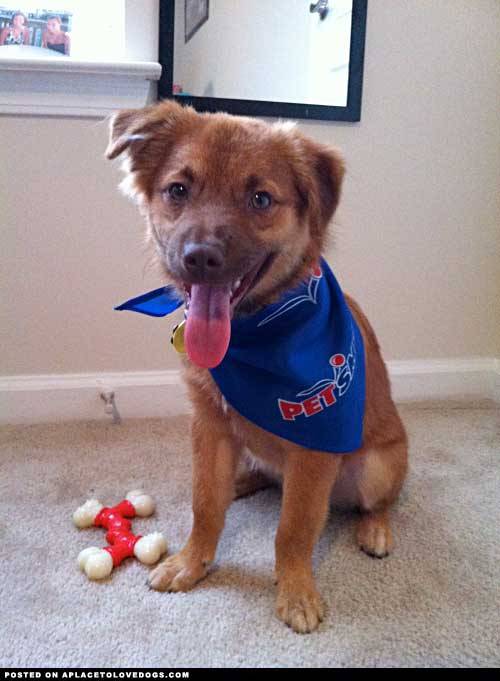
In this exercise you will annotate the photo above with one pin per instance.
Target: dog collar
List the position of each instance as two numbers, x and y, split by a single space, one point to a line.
295 368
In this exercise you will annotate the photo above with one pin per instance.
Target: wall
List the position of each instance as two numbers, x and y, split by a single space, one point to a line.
417 237
418 234
249 37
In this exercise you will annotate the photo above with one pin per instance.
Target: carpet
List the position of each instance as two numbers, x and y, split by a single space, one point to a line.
434 602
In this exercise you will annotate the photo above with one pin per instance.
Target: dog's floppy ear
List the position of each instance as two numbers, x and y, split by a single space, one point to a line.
319 182
329 169
139 125
147 136
122 131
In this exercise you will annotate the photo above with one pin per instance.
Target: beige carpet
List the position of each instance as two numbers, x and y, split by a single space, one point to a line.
434 602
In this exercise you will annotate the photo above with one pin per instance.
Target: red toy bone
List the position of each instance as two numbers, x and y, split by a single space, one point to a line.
122 543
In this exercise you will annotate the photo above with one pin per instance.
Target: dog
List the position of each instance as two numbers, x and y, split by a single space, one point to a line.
237 211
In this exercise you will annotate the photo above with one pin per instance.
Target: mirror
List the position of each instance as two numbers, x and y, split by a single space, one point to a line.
286 58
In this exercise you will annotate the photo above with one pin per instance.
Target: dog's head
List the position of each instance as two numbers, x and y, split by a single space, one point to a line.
237 209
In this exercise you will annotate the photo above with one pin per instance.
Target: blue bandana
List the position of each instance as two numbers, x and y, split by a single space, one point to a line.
295 368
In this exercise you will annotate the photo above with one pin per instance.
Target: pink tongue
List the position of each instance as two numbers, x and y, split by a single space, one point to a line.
208 326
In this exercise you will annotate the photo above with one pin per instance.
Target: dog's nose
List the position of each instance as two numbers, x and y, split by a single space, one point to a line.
203 260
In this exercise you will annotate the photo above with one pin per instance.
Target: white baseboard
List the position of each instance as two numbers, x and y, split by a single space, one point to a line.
67 397
475 378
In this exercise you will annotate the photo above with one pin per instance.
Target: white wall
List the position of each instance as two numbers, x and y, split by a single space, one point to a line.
261 51
417 235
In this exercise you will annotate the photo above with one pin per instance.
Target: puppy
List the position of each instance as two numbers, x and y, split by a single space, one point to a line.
237 212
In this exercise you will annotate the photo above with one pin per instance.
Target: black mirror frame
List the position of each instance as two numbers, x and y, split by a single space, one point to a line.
247 107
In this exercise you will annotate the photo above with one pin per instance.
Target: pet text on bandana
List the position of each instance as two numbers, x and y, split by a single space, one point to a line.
321 393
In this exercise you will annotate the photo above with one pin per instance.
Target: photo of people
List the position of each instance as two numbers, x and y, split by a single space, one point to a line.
43 28
16 32
53 38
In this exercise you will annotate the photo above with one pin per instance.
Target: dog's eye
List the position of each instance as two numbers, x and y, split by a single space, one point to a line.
177 191
261 200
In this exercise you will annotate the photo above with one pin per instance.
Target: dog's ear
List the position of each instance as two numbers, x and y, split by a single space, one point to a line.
319 183
133 126
123 130
147 136
329 171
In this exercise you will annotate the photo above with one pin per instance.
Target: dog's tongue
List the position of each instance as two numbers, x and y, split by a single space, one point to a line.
208 326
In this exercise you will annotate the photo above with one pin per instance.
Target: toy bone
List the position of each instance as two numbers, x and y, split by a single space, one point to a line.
98 563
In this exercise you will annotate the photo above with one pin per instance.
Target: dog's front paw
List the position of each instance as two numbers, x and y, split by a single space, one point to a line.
177 573
300 606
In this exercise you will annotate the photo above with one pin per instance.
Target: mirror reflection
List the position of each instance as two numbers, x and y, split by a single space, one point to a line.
264 50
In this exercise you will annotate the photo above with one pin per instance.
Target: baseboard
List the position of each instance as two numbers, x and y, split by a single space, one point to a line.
70 397
474 378
67 397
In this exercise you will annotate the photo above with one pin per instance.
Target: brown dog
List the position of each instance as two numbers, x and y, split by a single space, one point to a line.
242 206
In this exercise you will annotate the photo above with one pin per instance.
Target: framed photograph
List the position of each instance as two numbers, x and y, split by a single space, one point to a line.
195 15
40 28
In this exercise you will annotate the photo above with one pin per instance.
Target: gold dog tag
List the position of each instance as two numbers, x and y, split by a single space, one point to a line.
177 337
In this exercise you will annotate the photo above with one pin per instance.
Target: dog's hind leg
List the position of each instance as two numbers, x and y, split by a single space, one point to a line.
251 477
249 482
374 535
379 480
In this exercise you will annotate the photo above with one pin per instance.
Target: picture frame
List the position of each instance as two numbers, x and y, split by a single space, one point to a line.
195 15
351 112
